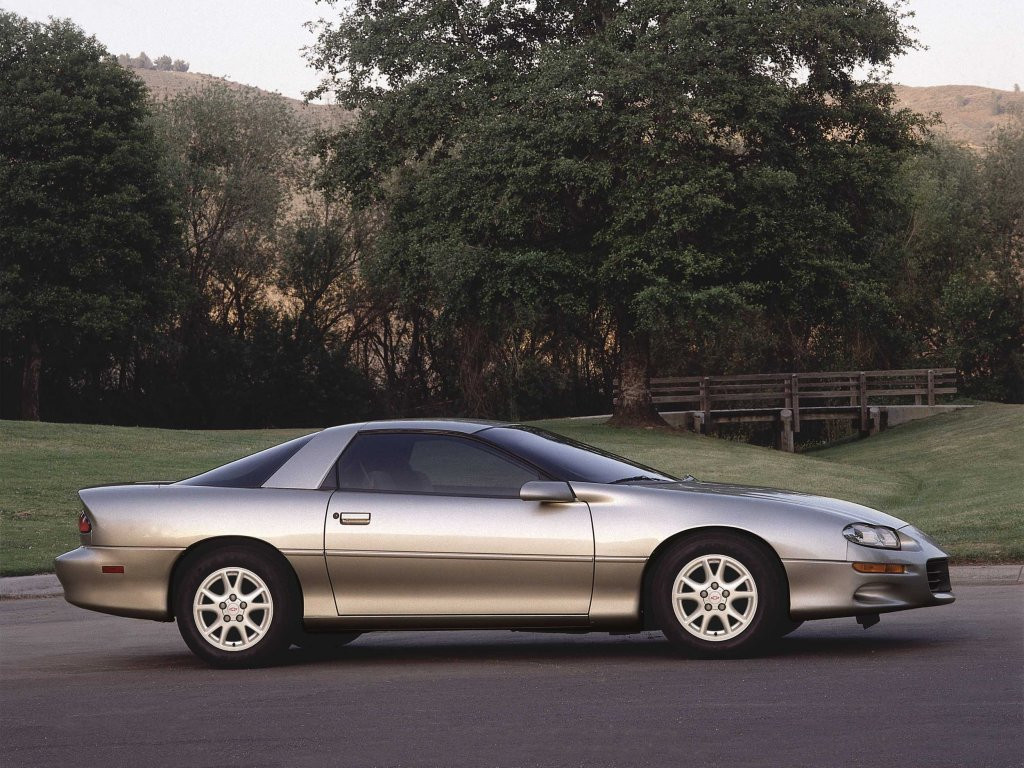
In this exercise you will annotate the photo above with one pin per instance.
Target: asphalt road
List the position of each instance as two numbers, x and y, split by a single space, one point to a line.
933 687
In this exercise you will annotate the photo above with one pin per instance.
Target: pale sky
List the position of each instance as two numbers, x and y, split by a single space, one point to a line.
259 42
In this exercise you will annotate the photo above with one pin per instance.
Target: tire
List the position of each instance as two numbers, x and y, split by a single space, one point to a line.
323 642
700 614
259 629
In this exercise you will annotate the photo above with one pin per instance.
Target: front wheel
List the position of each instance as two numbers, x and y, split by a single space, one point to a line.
720 595
237 607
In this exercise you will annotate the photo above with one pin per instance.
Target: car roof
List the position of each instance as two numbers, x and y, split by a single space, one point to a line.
467 426
311 463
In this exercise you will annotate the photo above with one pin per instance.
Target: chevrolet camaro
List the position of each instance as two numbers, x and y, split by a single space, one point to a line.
468 524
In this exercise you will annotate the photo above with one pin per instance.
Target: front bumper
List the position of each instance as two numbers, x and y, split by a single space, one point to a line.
822 589
142 591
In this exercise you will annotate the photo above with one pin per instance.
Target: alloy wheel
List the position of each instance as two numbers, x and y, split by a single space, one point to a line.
714 597
233 609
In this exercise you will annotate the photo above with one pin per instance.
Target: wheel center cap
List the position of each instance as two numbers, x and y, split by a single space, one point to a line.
714 597
232 608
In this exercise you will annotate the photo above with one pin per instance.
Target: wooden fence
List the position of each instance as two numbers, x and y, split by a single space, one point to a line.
790 398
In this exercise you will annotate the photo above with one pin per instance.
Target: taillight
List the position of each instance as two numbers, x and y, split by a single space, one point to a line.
84 526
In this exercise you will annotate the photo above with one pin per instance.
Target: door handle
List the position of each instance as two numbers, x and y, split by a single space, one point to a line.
355 518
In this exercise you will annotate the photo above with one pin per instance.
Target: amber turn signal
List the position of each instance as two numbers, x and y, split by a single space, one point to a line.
879 568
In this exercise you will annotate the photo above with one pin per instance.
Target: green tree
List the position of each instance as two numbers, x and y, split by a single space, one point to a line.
86 223
660 162
318 271
233 160
998 353
943 240
960 289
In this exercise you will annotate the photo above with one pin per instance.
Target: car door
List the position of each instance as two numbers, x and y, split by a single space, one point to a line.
428 524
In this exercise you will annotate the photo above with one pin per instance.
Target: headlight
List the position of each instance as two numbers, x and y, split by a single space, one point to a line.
878 536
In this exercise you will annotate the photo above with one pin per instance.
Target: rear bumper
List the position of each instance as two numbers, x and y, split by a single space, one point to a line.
142 591
829 589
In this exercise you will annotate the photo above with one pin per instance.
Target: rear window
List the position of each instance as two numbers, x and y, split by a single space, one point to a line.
252 471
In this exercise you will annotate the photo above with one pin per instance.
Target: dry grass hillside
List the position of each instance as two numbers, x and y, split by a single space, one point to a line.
165 85
969 112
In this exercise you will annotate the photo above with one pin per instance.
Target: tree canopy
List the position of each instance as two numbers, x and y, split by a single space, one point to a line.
86 221
232 158
530 201
661 161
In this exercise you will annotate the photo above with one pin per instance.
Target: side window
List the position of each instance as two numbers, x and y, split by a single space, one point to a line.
429 463
251 471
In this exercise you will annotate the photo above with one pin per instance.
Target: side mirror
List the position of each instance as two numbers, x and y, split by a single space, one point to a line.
544 490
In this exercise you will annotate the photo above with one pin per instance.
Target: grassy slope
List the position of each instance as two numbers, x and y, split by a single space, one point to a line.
961 477
958 476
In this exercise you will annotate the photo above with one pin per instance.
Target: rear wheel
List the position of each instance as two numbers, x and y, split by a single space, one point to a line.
237 607
720 595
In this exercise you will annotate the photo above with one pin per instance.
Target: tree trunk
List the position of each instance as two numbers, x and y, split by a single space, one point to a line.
30 380
635 407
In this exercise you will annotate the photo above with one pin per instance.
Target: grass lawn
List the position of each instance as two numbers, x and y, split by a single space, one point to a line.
958 476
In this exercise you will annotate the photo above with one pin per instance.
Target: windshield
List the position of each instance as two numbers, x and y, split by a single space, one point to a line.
567 459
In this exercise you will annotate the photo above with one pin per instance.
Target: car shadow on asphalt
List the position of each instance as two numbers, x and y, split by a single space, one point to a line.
639 648
390 651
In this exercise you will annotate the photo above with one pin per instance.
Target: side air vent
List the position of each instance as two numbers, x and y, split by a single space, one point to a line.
938 575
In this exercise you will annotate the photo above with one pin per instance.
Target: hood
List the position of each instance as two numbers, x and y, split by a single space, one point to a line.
848 510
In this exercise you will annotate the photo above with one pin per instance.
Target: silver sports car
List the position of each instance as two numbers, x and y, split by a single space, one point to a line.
469 524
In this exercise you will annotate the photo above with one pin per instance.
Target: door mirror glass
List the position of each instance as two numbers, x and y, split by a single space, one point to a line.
543 490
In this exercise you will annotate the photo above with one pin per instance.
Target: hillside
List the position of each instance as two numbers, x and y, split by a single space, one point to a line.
163 85
956 475
969 112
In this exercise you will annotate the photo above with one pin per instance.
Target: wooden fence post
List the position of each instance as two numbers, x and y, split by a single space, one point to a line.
795 388
786 430
863 392
705 404
876 419
931 387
